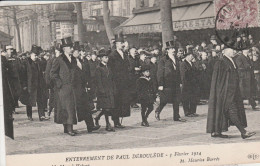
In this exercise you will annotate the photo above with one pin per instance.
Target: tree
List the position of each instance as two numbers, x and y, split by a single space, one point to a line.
107 23
80 22
166 21
11 12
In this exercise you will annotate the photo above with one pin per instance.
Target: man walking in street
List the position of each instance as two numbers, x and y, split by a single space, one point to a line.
225 102
169 80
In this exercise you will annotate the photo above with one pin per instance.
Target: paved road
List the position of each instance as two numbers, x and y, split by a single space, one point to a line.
47 137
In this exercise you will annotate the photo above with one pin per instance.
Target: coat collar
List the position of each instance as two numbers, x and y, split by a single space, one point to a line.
67 62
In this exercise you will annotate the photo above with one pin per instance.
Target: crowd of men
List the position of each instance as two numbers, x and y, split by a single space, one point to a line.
69 79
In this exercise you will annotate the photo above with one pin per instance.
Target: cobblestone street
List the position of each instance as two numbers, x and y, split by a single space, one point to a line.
48 137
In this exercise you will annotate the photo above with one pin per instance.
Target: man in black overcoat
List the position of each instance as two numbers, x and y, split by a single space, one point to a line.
169 80
225 102
8 96
189 85
119 65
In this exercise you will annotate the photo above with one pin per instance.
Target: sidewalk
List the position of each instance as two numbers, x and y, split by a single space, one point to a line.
48 137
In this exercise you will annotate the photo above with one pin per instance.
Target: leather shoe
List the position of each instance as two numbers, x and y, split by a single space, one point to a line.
110 128
195 115
119 126
247 135
71 133
157 115
219 135
180 120
93 128
30 118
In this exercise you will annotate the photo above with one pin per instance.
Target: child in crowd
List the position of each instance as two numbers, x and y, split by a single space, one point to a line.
146 94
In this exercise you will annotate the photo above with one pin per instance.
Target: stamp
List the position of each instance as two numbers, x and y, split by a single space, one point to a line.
234 18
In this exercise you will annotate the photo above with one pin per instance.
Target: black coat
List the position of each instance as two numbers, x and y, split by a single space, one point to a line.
246 76
80 79
105 87
224 91
62 74
145 90
133 74
189 80
8 98
153 73
120 71
169 78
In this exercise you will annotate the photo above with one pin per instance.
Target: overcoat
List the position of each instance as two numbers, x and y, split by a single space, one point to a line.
36 87
93 66
49 82
105 87
8 98
169 78
61 73
119 67
246 76
189 80
145 90
224 90
133 74
80 79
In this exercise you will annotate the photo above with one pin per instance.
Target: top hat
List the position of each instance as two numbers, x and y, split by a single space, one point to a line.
76 45
67 42
119 38
145 68
169 44
35 49
213 37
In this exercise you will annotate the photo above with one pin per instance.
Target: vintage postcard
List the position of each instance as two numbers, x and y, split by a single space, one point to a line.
130 82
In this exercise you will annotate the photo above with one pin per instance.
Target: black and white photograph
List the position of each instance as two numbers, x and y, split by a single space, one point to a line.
96 77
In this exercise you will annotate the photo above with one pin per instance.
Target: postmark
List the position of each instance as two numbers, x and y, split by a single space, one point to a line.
234 18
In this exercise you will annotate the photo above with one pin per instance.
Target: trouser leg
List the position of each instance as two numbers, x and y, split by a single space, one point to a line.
252 102
186 107
143 110
233 116
175 106
193 105
160 107
29 111
149 110
89 122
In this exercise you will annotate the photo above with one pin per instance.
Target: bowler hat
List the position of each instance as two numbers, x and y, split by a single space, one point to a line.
102 52
145 68
35 49
76 45
66 42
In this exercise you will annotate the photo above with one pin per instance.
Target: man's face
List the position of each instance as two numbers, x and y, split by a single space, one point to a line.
156 51
153 60
142 57
9 51
76 53
133 52
3 53
33 56
229 52
104 59
68 50
214 54
57 53
119 45
93 57
171 51
146 73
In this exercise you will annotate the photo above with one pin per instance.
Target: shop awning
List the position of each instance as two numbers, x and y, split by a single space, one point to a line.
196 16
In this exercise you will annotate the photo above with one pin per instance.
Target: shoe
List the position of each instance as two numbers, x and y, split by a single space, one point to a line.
96 121
218 135
71 133
247 135
195 115
146 123
143 124
157 115
119 126
30 118
93 128
110 128
180 120
134 106
189 115
43 118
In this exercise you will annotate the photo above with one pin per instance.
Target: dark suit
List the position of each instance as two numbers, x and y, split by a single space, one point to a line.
119 67
133 76
246 77
189 87
169 78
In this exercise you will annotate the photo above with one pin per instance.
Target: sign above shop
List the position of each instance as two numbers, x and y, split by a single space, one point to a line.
177 26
